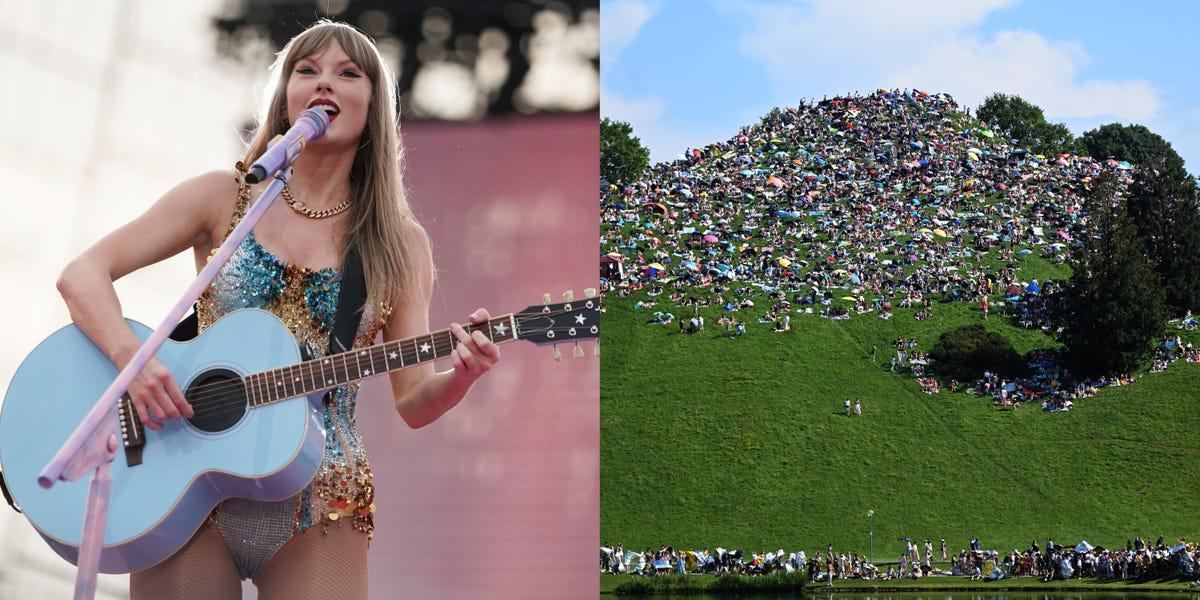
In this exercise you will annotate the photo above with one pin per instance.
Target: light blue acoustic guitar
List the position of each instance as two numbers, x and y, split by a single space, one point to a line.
257 431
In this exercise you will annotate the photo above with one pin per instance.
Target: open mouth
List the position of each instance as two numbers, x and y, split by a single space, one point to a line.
328 106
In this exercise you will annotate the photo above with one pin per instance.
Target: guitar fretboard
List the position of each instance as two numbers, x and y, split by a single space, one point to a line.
339 369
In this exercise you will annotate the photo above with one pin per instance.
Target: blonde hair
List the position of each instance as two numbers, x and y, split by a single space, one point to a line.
382 226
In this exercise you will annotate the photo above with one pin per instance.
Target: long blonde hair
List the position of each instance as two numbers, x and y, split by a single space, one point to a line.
382 226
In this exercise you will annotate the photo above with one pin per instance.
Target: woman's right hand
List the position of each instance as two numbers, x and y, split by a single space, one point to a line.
155 392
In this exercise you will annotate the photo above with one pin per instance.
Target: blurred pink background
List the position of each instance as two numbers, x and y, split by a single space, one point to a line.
500 497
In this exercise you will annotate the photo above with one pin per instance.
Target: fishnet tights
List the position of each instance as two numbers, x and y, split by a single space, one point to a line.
313 564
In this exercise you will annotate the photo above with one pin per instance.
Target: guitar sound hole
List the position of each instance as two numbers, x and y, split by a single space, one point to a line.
218 399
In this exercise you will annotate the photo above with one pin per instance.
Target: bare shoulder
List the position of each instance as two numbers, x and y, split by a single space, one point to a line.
184 217
206 191
210 198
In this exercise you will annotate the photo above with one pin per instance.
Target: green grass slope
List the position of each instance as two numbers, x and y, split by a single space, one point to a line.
709 441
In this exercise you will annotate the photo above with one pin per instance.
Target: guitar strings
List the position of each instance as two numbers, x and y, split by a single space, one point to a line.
212 404
219 392
216 395
470 329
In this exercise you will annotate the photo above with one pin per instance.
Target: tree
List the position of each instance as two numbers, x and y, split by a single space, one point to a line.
1133 143
967 351
623 158
1163 205
1112 309
1015 118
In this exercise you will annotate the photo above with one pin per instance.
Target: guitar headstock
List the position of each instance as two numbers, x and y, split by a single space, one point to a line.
568 321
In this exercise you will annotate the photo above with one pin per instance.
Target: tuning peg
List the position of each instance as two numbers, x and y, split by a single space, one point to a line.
589 292
546 298
577 352
557 354
569 296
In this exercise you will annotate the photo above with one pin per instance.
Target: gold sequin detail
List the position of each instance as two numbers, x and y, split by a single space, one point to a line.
343 488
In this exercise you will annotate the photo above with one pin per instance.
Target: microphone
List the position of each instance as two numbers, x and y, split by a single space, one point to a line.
309 126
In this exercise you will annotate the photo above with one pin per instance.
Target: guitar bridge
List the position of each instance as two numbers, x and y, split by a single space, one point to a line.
133 433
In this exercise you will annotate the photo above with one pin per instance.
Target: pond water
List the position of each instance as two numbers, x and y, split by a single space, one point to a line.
1105 595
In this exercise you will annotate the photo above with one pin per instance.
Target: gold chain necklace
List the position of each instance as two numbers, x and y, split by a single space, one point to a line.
299 206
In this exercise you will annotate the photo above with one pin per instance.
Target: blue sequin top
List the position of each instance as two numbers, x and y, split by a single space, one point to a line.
306 301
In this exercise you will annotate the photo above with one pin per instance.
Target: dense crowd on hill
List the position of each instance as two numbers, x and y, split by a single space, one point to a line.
844 207
1137 560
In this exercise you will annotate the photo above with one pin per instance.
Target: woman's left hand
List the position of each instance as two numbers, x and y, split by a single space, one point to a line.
475 352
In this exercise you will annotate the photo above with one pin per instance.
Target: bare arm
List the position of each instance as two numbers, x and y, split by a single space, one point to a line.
181 219
422 395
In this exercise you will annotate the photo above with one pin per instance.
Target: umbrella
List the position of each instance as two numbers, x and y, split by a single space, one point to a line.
1024 251
690 265
850 298
940 233
710 238
1083 546
657 266
783 262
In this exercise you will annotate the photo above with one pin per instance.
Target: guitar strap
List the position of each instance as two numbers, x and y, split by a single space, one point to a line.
351 300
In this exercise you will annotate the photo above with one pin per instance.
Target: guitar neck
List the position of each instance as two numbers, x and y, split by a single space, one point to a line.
339 369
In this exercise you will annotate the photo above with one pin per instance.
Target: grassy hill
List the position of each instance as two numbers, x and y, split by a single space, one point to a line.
709 441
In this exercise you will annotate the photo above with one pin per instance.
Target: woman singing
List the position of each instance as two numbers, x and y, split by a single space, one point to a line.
345 193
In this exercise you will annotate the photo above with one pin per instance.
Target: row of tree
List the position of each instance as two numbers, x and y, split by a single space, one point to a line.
1025 124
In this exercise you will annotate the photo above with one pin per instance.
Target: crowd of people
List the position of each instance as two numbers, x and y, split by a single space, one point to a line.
1138 560
850 206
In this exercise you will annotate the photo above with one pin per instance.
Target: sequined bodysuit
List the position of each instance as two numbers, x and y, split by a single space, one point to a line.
306 301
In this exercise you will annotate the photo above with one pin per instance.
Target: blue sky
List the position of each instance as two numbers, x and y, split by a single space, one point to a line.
690 72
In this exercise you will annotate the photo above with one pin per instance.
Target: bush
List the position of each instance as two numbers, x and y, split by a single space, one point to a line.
637 585
964 353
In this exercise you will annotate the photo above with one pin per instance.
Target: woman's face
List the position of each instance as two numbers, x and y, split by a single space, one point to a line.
330 78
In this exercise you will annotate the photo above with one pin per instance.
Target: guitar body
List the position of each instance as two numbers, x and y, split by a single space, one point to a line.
268 452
